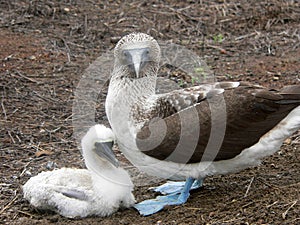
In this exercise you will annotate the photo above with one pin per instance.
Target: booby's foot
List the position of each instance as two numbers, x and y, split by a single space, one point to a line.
172 187
152 206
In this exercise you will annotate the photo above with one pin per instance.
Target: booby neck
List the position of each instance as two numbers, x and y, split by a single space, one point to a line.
129 92
139 89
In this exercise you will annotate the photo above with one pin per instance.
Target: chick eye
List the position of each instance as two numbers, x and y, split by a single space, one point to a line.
125 53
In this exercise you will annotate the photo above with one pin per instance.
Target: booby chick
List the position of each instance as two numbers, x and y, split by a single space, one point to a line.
100 190
191 133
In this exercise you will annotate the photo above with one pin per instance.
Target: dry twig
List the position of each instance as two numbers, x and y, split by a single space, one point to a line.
247 191
3 109
27 78
9 204
286 212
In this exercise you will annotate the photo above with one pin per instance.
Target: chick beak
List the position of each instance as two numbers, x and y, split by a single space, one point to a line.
104 150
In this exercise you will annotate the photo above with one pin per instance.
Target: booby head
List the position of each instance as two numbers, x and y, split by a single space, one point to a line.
138 54
100 139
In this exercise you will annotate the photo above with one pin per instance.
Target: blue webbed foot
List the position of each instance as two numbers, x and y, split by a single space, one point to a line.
176 197
172 187
151 206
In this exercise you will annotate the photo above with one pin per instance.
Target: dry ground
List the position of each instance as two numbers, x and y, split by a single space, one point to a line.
45 46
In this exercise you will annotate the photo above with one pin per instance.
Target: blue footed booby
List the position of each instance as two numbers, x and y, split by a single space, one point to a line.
191 133
100 190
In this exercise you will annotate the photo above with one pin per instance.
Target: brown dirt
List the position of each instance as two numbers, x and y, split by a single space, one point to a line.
47 45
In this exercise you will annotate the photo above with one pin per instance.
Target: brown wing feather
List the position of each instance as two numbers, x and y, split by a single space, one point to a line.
178 100
251 112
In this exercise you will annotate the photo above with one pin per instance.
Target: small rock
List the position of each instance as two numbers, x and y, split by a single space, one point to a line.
32 57
223 51
288 141
42 130
115 39
28 173
43 153
273 165
50 165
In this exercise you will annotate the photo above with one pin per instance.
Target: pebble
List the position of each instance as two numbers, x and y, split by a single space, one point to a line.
28 173
50 165
32 57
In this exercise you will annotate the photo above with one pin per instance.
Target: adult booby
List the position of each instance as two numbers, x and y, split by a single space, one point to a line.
99 190
195 132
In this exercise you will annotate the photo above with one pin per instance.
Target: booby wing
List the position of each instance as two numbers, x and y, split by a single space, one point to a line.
181 99
251 111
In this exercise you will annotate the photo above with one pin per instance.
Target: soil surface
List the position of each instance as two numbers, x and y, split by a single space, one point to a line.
45 47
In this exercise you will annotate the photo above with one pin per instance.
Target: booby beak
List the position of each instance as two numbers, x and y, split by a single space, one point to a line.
137 59
104 150
136 68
